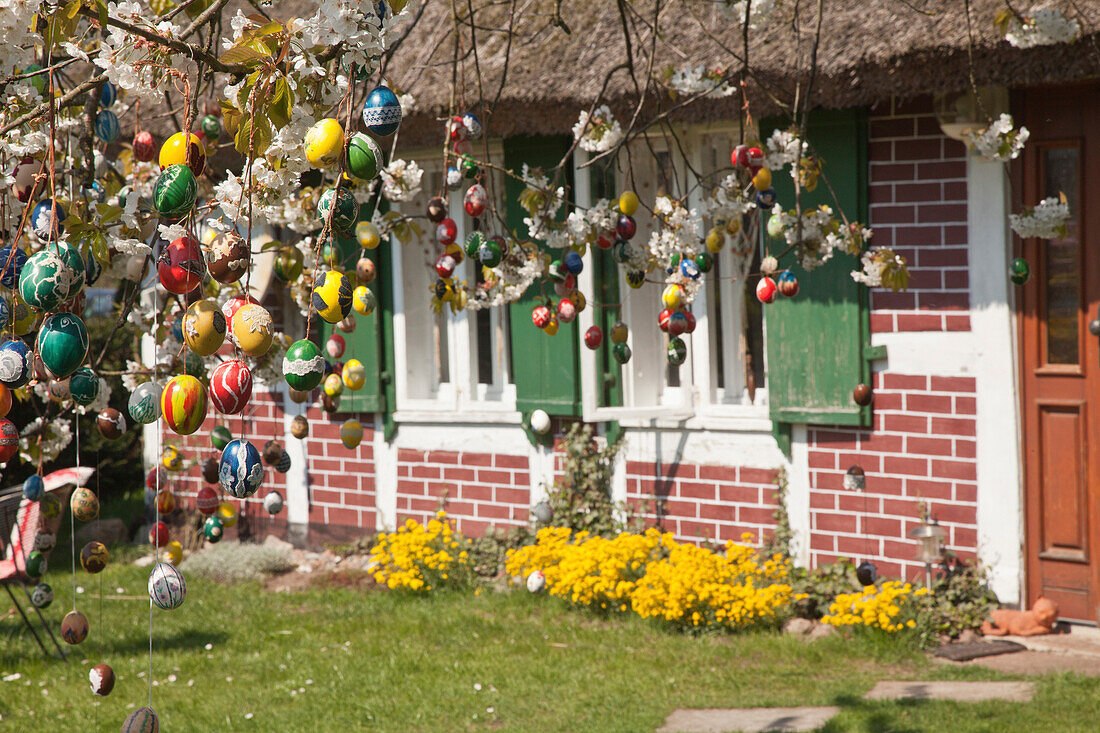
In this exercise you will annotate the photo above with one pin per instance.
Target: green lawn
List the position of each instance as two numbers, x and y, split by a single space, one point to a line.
343 659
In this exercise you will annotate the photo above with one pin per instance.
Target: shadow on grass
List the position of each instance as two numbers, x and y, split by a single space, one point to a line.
872 717
184 639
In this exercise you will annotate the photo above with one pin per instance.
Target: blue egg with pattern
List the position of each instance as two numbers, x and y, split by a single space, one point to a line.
16 364
241 470
688 268
46 220
382 111
766 199
34 488
573 262
11 266
92 269
5 313
108 96
106 126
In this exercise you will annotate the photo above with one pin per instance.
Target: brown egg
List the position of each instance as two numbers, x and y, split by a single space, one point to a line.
273 451
437 210
102 678
297 396
299 427
210 470
863 395
365 270
329 403
74 627
228 257
111 424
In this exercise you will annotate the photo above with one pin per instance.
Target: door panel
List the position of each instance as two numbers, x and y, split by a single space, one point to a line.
1059 358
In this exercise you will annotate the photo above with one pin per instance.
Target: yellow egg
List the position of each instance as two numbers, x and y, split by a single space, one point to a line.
762 181
228 514
355 375
673 296
324 143
552 327
619 332
368 235
351 433
334 386
204 327
172 553
363 300
174 151
332 296
172 459
716 239
252 329
23 319
628 203
733 226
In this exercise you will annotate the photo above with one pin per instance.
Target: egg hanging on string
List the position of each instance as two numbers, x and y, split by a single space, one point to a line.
303 366
382 111
230 386
183 404
241 470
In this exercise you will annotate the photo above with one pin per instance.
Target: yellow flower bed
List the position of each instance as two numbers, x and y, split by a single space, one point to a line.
888 608
655 576
419 556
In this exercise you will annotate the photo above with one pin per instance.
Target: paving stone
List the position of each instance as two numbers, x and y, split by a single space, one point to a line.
1034 663
957 691
747 720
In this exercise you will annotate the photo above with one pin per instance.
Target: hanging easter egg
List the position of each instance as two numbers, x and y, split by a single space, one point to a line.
16 364
626 226
241 470
622 252
272 452
593 337
9 440
167 587
145 146
335 346
621 352
110 423
33 487
228 257
94 557
766 290
51 277
489 253
766 199
382 111
159 534
11 265
619 332
476 200
230 386
46 220
472 125
209 471
456 131
367 234
62 344
469 166
57 390
673 296
437 210
566 310
204 327
540 422
230 308
36 564
704 261
207 500
635 278
181 265
174 152
342 207
347 325
144 404
211 127
541 315
288 263
364 159
284 462
252 329
106 126
362 299
787 284
552 327
445 265
175 191
74 628
663 319
299 427
332 295
677 351
303 365
102 679
42 596
5 401
446 232
678 323
333 385
229 515
324 143
84 504
157 477
365 271
866 573
863 395
628 203
690 269
213 530
273 502
24 175
354 375
1019 271
351 433
183 404
573 262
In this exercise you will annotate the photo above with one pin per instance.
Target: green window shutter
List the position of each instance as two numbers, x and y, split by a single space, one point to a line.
605 279
545 369
816 341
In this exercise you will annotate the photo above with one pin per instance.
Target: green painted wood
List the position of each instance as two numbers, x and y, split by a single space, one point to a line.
816 340
546 369
605 299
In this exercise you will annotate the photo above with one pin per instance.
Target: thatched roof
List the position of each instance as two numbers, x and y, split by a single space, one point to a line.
870 50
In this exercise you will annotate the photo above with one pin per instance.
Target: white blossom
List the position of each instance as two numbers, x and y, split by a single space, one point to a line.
599 133
1046 221
1000 141
1045 27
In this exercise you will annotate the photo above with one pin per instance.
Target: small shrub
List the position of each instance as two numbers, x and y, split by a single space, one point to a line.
422 557
961 599
233 562
819 587
581 498
489 552
892 607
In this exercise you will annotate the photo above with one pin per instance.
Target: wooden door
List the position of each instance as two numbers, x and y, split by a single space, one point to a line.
1060 357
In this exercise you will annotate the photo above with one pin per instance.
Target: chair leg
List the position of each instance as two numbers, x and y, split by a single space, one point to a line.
46 626
26 620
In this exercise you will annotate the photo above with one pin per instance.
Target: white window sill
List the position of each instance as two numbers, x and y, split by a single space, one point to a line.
471 413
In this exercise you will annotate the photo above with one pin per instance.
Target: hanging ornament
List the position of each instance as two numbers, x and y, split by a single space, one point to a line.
16 364
203 327
228 513
273 502
12 265
183 404
472 125
593 337
33 487
332 296
159 534
9 440
364 159
241 470
206 501
324 143
36 564
354 375
363 301
167 588
303 366
84 504
766 290
175 191
335 346
333 386
74 627
677 351
1019 271
382 111
46 220
62 344
788 284
145 146
230 386
213 530
621 352
42 596
368 236
351 433
365 271
94 557
211 127
181 265
299 427
863 395
51 277
489 253
252 329
144 404
289 263
106 126
228 257
566 310
342 207
110 423
174 152
476 200
84 386
866 573
102 679
272 452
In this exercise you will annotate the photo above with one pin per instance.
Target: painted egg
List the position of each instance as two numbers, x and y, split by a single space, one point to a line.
209 469
213 530
62 344
635 278
174 152
299 427
9 440
382 111
51 277
489 253
211 127
335 346
181 265
566 310
573 262
673 296
445 266
220 437
303 365
42 596
165 501
766 290
284 462
157 477
677 351
24 173
110 423
158 534
324 143
84 504
472 126
454 177
36 565
446 231
351 433
229 514
787 284
552 327
362 299
364 159
230 308
437 210
704 261
175 191
5 401
365 271
11 265
367 234
228 257
144 404
626 226
333 385
273 502
332 296
541 315
207 500
469 166
342 207
74 627
102 679
540 422
272 452
622 251
167 587
689 269
230 386
288 263
5 313
203 327
93 269
1019 270
241 471
619 332
663 319
94 557
106 126
621 352
46 220
16 364
145 146
475 200
183 404
766 199
252 329
473 243
593 337
536 581
628 203
347 325
354 375
689 318
33 487
24 321
677 323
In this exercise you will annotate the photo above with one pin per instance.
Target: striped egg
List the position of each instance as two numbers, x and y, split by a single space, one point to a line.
167 587
230 386
183 404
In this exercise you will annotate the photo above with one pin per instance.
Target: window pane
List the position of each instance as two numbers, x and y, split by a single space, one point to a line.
754 333
1063 280
715 318
484 327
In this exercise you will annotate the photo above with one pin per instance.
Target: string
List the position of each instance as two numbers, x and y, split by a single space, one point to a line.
99 611
156 494
72 519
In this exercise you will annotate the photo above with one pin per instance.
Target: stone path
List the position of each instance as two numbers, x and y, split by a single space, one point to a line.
952 690
1075 649
748 720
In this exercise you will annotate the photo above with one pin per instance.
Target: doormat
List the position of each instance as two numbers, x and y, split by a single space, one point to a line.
965 651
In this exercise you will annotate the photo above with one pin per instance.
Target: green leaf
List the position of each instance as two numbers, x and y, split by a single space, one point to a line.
242 55
99 249
109 214
101 9
72 9
254 132
281 104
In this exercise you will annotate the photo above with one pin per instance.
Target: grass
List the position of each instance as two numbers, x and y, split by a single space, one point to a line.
346 659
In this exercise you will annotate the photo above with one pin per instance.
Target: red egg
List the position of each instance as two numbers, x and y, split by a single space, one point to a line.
739 158
690 317
677 323
207 500
476 200
446 231
566 310
755 157
766 290
158 535
335 346
145 147
230 386
663 318
157 478
605 240
540 316
593 337
181 265
456 130
626 227
9 440
445 265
